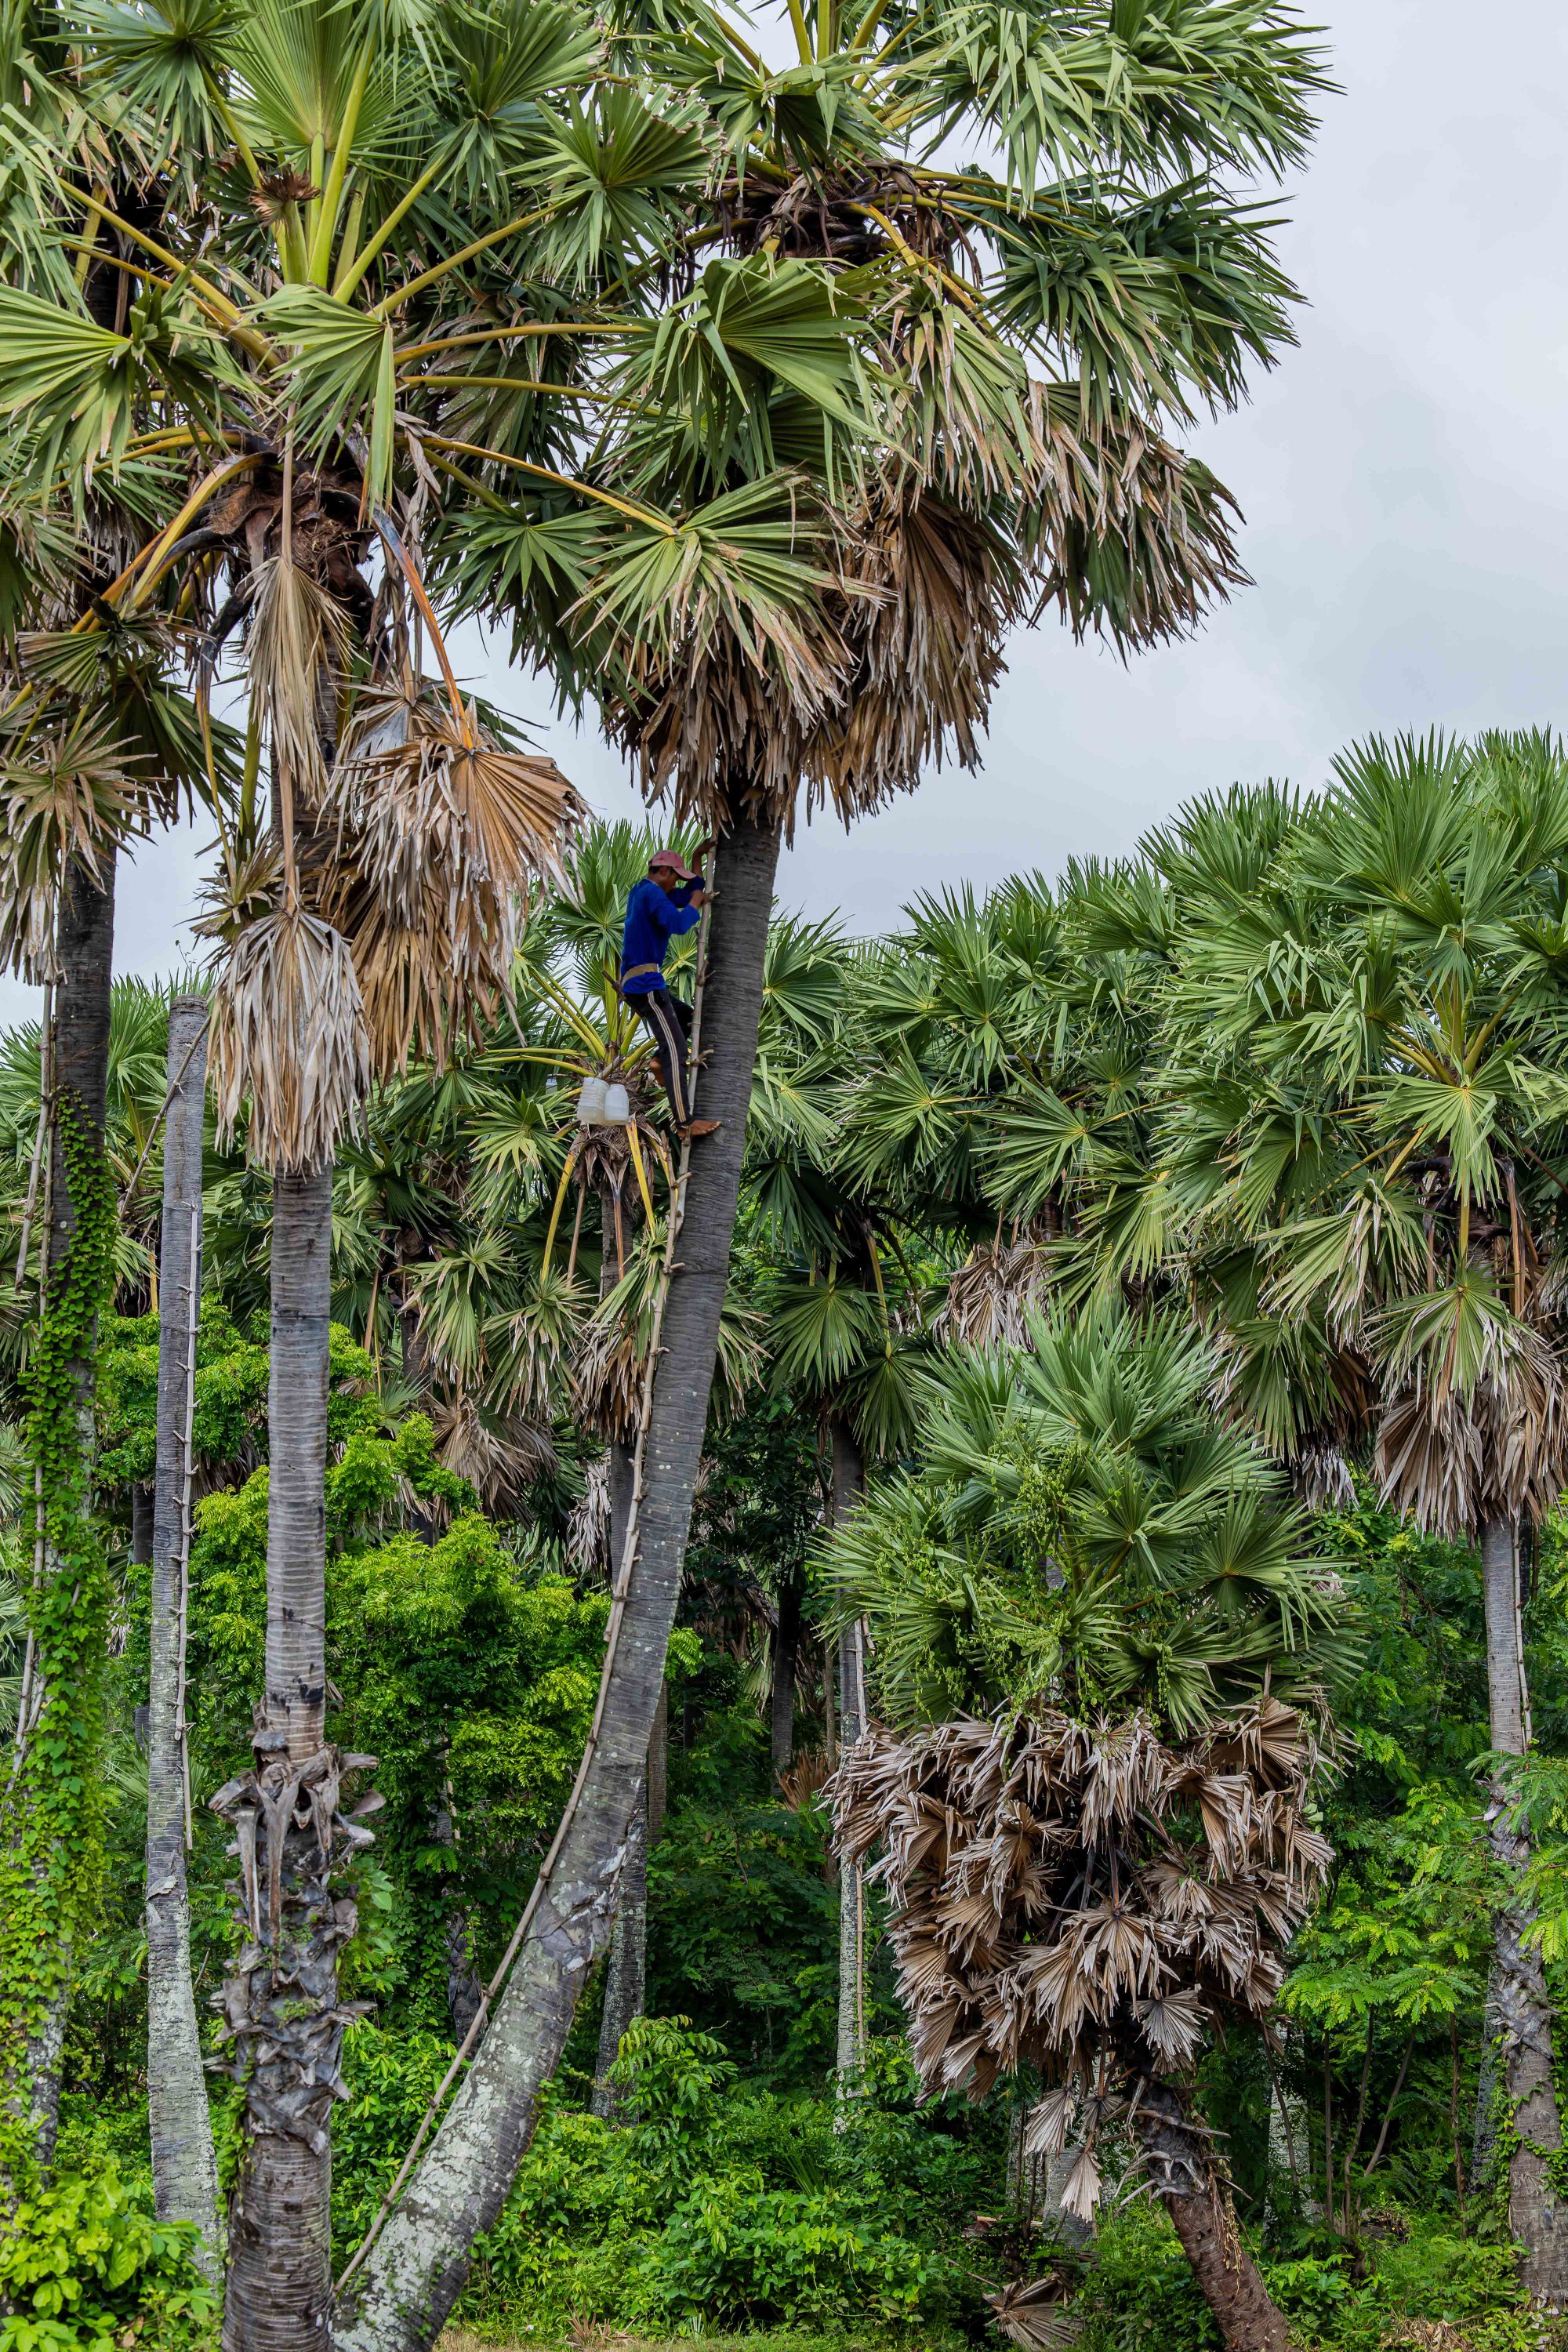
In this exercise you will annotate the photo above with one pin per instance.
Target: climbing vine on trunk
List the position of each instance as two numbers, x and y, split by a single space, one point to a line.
51 1848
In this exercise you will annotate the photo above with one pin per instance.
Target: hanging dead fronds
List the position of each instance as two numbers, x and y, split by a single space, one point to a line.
990 1298
67 790
500 1454
440 835
1084 1898
289 1040
928 594
297 649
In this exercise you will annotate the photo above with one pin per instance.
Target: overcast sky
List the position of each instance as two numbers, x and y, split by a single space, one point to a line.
1402 476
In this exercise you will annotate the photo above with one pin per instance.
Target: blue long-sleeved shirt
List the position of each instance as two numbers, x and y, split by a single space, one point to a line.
653 917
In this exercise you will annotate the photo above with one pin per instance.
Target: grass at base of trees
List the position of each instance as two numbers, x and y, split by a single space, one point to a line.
787 2340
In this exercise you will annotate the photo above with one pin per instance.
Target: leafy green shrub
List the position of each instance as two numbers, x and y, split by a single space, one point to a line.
84 2269
732 2207
1140 2291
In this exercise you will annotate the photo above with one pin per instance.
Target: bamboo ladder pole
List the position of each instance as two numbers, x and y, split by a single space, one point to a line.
619 1593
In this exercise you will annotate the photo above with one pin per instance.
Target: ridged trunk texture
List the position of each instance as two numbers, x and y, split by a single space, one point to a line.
84 951
1522 2010
281 2002
184 2168
412 2278
1182 2169
786 1656
625 1971
848 1473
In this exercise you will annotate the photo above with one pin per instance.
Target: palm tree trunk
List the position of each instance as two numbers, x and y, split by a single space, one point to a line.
626 1980
849 1480
411 2282
626 1974
1182 2169
1518 1996
84 948
786 1656
282 2000
184 2168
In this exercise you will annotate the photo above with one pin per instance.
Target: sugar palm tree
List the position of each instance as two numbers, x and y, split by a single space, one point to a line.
1088 1558
1359 1180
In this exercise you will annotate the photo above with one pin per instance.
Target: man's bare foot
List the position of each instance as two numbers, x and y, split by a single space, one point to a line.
695 1127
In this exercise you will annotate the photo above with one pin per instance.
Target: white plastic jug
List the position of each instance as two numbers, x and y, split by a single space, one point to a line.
618 1108
591 1103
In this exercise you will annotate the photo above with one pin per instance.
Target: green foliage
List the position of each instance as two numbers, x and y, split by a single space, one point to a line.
1082 1524
51 1815
84 2269
719 2205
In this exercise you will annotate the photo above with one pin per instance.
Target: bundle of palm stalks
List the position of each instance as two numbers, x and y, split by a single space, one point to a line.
1086 1899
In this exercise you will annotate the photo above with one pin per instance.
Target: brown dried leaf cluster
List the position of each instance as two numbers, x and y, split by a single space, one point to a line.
1084 1899
289 1036
990 1298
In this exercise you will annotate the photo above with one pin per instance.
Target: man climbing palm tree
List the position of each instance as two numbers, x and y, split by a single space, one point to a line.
667 902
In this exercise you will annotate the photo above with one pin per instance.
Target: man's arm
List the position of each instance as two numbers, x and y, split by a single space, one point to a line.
669 917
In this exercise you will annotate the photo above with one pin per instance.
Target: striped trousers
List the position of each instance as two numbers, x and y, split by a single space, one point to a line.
670 1021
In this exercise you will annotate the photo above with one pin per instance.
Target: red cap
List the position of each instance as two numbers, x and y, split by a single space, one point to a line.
673 857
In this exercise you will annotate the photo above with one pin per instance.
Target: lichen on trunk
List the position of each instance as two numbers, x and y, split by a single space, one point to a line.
184 2168
1519 2005
280 2009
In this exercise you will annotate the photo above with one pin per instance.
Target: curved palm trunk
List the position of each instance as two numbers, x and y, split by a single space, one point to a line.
281 2002
84 947
184 2168
849 1480
1518 2001
418 2269
1176 2153
626 1977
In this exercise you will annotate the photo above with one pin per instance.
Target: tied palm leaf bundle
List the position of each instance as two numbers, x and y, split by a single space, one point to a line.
1090 1901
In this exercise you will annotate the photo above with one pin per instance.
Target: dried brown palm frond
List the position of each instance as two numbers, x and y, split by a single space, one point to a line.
1036 2314
800 1784
928 593
67 791
297 649
608 1372
288 1037
440 833
722 727
499 1455
989 1299
1502 1451
1085 1899
588 1522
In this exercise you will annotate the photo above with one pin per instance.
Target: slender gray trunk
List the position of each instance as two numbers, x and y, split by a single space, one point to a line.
141 1511
849 1480
1180 2163
786 1658
84 950
412 2280
1536 2211
281 2002
184 2168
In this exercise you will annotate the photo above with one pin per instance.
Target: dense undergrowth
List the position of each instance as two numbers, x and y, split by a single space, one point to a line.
744 2197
